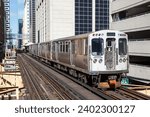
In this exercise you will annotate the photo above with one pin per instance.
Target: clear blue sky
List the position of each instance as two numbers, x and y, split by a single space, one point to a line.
16 12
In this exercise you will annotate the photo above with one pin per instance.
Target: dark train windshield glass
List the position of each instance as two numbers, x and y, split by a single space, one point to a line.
97 46
122 46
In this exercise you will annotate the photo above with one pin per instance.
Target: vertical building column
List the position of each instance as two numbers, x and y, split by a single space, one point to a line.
51 19
7 12
93 15
73 9
110 18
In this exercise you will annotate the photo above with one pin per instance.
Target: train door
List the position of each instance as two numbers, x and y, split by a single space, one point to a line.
110 54
72 52
50 50
68 51
54 51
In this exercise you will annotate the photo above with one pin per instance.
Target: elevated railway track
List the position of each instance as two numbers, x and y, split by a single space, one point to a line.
44 83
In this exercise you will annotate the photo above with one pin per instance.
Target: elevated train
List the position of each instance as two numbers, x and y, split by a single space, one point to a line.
98 58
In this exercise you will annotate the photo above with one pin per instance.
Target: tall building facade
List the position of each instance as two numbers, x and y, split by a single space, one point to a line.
2 29
57 18
7 12
132 17
91 15
32 21
20 25
26 23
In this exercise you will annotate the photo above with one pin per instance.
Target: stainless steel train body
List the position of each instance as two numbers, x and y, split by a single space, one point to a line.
93 57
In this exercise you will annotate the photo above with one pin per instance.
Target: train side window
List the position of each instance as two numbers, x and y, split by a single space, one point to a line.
67 46
60 47
53 48
73 47
49 47
97 46
122 46
63 49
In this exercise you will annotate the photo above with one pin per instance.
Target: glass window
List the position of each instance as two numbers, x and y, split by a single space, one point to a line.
67 46
97 46
63 49
122 46
49 47
82 10
73 47
53 47
60 47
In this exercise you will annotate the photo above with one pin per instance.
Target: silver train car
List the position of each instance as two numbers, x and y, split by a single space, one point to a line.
98 58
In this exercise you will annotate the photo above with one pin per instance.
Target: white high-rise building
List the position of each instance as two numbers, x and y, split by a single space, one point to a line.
133 17
26 23
62 18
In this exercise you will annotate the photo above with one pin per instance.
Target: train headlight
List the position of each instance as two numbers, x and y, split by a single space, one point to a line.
100 61
95 60
124 60
120 60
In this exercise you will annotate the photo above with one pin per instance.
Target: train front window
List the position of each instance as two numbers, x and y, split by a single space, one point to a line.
122 46
97 46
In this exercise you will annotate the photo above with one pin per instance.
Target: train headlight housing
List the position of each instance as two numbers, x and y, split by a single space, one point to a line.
120 60
124 60
100 61
95 60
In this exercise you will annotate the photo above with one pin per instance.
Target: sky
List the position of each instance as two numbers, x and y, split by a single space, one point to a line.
16 12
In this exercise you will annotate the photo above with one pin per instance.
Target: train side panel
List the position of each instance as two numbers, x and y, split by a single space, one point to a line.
100 56
79 53
64 52
48 51
55 51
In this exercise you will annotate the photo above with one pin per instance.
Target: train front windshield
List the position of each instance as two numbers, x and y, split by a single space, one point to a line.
122 46
97 46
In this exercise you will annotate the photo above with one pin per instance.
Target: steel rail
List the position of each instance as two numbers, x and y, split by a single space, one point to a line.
44 77
99 93
136 94
33 88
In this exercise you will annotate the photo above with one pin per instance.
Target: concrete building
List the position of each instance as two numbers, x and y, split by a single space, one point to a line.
32 21
2 29
133 17
26 23
61 18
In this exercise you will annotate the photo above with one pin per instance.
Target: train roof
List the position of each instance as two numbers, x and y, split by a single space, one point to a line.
79 36
73 37
85 35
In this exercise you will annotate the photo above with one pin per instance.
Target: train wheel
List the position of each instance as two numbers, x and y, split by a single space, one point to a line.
84 80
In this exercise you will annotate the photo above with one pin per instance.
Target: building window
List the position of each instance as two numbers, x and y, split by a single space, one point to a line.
83 16
101 14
